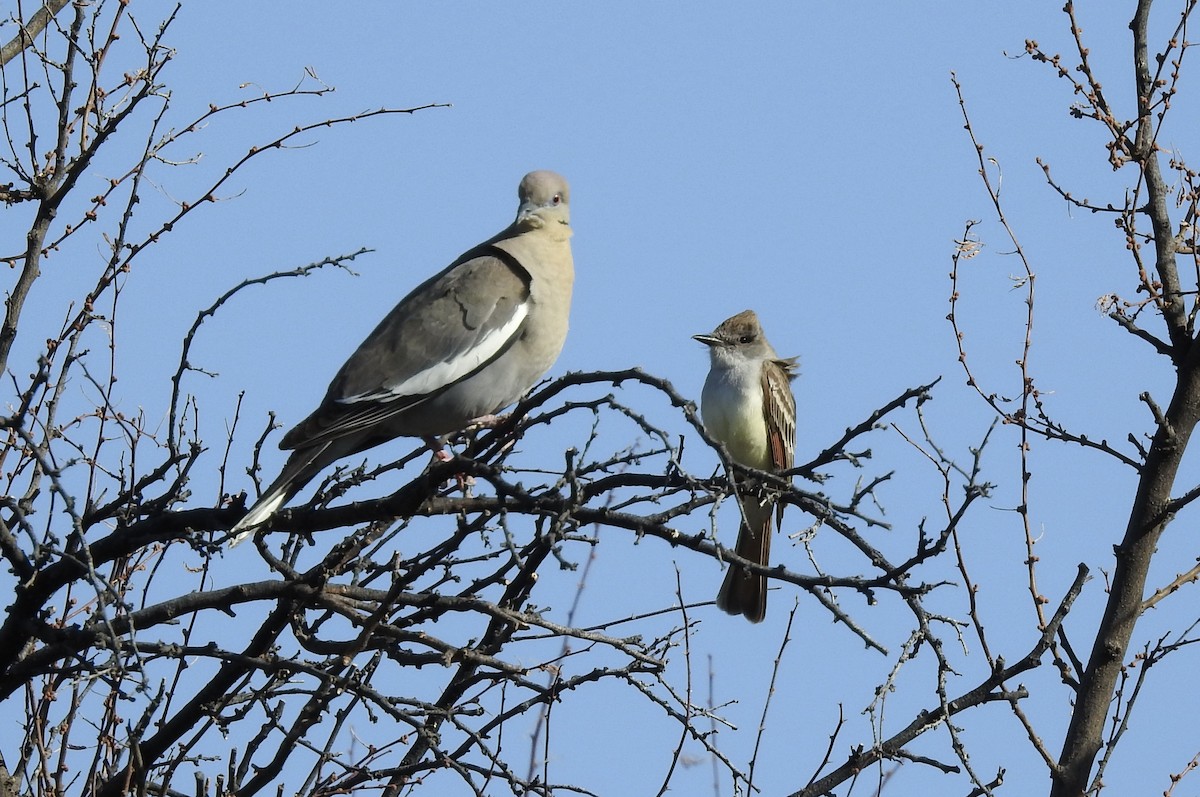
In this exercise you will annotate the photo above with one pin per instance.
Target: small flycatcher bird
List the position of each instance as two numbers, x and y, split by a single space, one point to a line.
463 345
748 406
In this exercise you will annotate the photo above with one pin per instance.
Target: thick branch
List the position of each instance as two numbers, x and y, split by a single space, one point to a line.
1150 513
31 30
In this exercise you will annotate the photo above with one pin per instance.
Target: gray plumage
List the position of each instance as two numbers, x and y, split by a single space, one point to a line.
461 346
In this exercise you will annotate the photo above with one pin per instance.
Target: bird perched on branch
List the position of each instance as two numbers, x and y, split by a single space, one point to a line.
748 406
461 346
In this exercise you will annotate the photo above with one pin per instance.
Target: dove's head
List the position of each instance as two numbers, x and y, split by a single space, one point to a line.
545 200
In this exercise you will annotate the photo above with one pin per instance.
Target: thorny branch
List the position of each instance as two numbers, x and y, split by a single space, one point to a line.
1158 245
392 629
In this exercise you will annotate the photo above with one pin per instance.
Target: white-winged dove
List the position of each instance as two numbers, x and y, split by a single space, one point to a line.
461 346
748 406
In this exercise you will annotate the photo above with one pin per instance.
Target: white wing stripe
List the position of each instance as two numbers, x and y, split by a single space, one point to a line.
440 374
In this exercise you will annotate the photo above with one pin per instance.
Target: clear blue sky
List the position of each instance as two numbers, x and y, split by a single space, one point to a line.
806 160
